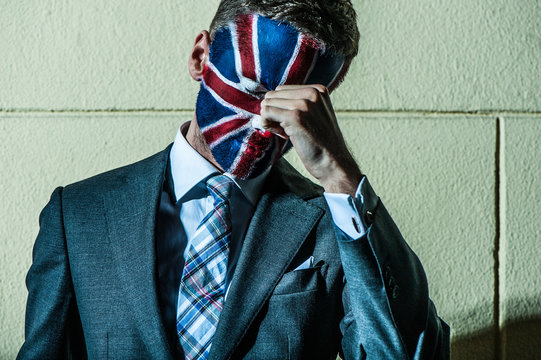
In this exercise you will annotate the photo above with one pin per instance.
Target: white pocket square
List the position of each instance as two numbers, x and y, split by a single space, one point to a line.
305 265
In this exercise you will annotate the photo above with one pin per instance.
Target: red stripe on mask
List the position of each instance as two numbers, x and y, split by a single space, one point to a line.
244 25
257 145
217 132
230 94
303 63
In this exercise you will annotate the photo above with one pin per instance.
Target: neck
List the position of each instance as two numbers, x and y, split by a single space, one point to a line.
196 140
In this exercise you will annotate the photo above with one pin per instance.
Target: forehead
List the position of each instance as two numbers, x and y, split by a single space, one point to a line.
271 53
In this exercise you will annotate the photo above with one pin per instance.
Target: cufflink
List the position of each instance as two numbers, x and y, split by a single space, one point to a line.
355 225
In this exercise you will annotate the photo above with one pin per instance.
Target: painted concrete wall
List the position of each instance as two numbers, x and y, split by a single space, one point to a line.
442 109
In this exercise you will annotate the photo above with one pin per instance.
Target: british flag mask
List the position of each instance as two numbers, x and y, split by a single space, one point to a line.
249 57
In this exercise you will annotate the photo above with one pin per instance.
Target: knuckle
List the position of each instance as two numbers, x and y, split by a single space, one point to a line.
298 115
314 95
304 105
322 88
265 123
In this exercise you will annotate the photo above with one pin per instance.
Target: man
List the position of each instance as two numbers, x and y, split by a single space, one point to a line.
168 258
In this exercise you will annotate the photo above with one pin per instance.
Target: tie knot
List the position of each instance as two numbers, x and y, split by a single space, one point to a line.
220 187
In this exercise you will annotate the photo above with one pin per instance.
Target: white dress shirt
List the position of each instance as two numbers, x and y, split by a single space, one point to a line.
189 170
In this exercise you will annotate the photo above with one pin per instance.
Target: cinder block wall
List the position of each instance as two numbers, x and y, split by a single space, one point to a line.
442 109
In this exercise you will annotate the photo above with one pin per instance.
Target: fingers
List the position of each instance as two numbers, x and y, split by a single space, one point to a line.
271 118
285 109
314 93
319 87
274 128
277 120
287 104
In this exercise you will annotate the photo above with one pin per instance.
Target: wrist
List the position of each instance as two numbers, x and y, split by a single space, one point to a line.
342 178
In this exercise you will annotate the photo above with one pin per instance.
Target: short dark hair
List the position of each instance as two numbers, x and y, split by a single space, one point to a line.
332 22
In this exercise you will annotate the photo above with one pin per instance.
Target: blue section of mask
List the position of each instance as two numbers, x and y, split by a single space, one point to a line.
226 152
277 43
208 110
222 54
326 69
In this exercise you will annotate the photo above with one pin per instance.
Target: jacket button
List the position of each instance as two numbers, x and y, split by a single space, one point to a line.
396 292
387 274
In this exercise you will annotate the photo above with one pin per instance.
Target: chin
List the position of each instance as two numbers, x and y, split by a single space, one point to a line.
258 152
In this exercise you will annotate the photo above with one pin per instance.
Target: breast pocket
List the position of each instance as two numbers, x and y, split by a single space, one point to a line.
302 280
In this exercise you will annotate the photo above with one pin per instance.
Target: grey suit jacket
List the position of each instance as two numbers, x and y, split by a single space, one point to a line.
93 288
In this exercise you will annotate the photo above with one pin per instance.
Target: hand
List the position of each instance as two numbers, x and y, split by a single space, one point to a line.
304 115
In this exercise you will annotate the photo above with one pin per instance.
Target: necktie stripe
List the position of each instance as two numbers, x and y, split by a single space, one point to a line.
199 306
194 308
200 261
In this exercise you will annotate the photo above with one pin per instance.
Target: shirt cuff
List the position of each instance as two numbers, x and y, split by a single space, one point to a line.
345 211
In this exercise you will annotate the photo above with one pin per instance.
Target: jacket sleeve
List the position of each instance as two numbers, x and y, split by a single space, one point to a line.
388 313
52 325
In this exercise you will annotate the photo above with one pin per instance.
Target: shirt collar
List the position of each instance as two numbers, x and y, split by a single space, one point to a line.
189 168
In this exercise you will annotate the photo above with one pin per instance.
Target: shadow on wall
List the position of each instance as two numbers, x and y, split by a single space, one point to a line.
519 340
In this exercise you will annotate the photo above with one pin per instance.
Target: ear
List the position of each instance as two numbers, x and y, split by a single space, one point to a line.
199 55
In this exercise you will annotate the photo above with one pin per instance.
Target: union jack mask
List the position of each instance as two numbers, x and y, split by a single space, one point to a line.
249 57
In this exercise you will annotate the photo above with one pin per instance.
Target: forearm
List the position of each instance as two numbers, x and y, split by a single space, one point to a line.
387 291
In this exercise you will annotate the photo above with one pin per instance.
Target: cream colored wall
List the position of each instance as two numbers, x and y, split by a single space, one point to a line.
442 109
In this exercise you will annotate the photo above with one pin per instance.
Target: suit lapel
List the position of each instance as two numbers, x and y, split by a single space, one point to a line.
131 214
281 223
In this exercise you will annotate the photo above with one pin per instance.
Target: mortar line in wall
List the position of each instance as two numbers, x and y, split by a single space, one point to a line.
92 111
416 112
497 239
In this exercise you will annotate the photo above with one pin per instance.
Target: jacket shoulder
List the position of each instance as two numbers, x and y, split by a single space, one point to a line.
284 177
118 178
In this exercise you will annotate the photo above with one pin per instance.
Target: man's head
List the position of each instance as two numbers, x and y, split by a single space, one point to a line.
254 47
333 22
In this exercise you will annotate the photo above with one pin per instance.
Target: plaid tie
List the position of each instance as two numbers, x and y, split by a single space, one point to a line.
202 287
